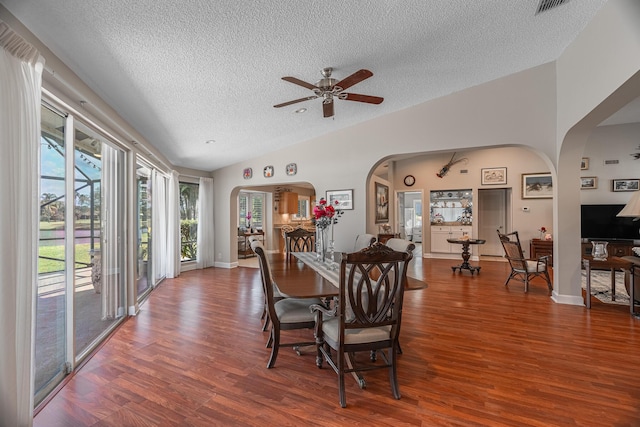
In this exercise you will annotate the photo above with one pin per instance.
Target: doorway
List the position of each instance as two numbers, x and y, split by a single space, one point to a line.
493 206
409 215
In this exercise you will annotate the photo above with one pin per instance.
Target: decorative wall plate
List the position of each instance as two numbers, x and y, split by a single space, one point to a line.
247 173
292 169
268 171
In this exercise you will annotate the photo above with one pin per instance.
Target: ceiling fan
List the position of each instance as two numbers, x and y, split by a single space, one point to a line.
329 89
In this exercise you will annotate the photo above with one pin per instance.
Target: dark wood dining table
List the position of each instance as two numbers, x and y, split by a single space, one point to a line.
296 279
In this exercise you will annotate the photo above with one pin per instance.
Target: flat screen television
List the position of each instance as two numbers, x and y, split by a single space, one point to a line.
601 222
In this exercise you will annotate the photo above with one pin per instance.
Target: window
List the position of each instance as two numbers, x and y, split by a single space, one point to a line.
303 207
188 221
251 203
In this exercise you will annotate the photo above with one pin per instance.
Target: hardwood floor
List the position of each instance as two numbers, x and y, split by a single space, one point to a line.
475 354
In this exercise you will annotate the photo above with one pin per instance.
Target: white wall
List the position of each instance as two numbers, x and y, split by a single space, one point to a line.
611 143
517 160
516 110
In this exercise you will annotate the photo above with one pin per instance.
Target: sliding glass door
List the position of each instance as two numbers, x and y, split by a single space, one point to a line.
51 296
144 278
80 290
99 283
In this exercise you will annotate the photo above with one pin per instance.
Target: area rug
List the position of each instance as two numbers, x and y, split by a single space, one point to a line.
601 286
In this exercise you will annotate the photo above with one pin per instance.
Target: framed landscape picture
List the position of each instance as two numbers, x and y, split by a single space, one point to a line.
494 176
345 197
626 184
588 182
537 186
382 203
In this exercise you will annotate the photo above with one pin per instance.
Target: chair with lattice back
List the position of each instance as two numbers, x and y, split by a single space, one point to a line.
522 268
299 240
284 313
366 317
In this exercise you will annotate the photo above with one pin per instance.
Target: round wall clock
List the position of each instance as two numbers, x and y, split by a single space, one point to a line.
409 180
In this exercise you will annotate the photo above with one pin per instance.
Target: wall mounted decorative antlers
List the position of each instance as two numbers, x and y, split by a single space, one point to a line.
445 168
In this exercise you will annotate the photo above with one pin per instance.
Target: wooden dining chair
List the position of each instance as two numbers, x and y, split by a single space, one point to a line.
299 240
367 315
522 268
401 245
363 241
284 314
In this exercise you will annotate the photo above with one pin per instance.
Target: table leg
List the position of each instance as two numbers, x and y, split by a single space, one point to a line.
587 296
632 296
613 284
466 254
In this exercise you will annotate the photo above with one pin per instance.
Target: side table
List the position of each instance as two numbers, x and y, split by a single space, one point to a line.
611 263
466 254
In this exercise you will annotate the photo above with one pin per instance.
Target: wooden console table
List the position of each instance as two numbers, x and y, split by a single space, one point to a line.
244 246
539 248
382 238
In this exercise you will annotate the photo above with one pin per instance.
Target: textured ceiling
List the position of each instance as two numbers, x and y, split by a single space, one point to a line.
184 72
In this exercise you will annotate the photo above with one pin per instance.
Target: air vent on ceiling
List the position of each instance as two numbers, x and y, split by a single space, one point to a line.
464 170
545 5
611 162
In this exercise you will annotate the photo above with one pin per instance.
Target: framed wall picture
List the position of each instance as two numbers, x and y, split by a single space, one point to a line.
382 203
588 182
494 176
626 184
537 186
584 164
345 197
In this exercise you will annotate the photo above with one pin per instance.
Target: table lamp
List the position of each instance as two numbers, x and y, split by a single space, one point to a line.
632 208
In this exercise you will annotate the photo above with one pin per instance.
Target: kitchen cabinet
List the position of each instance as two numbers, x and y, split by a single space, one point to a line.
288 202
440 234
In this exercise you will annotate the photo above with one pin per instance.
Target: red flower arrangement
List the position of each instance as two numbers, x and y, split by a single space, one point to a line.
325 214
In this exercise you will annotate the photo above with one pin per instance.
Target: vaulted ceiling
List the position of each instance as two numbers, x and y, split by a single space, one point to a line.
186 72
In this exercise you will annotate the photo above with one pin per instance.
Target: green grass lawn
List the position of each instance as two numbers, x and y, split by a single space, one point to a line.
57 251
49 266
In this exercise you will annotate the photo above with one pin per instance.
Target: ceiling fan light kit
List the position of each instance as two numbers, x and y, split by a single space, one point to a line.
329 89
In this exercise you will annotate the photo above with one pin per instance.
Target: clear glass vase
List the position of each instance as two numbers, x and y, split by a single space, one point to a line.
599 251
321 248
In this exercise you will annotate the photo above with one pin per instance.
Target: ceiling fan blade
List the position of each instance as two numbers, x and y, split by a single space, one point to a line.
284 104
354 78
299 82
327 109
363 98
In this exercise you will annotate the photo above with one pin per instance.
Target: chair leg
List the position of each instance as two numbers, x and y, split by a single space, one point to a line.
265 326
351 366
393 373
548 279
341 363
275 346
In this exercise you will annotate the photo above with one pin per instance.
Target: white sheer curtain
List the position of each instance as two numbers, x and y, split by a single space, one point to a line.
20 95
159 213
111 188
206 256
173 226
